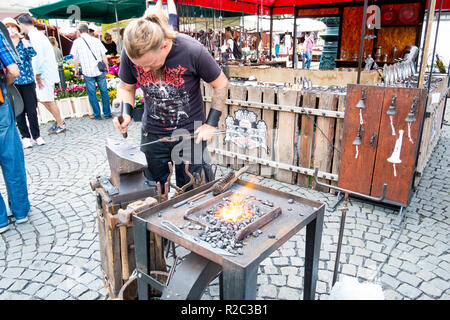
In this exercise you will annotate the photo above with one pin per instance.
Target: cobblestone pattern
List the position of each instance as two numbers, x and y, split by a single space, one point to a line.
56 254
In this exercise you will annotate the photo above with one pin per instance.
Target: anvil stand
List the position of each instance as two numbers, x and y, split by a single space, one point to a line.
125 185
344 213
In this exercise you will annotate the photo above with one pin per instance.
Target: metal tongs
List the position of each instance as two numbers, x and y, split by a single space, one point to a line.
173 228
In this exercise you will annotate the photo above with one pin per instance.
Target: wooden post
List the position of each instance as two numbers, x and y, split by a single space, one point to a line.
426 46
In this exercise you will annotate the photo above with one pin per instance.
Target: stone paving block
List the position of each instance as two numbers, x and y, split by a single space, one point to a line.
32 288
348 269
392 295
289 271
43 276
5 283
281 261
278 280
409 291
441 284
44 292
289 294
89 295
58 295
13 273
267 291
412 279
270 269
18 285
431 290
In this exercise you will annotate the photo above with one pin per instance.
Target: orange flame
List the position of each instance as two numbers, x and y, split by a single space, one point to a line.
237 210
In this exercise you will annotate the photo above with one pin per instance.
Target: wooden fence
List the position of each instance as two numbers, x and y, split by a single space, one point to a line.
304 132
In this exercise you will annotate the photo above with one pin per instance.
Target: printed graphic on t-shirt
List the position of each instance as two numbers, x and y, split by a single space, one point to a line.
166 97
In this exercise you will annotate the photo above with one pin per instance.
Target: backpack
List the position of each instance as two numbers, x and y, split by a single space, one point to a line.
237 51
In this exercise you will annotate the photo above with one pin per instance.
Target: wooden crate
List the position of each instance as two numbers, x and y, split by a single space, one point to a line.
117 267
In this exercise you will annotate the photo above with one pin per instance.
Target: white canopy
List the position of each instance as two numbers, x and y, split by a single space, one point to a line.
250 24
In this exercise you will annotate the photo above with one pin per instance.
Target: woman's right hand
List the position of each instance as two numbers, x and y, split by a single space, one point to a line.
122 127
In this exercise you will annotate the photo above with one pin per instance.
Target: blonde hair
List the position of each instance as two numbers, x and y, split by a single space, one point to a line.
146 34
53 41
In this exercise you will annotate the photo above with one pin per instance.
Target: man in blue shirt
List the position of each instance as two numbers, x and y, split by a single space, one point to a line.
11 152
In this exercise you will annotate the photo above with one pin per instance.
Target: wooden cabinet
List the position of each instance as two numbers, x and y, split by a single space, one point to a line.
366 170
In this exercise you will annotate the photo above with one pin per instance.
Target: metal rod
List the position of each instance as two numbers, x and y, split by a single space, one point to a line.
423 63
341 234
271 34
434 47
176 138
361 43
383 193
117 26
294 48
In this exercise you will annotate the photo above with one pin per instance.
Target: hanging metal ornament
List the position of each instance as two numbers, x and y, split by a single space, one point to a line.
391 112
358 140
361 105
395 156
410 118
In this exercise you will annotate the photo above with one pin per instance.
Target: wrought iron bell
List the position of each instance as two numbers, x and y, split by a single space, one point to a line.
358 140
362 102
391 111
411 115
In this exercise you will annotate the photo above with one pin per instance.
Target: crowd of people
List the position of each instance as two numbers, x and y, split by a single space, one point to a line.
167 66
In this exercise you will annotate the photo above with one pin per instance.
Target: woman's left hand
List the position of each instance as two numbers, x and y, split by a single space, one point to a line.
205 132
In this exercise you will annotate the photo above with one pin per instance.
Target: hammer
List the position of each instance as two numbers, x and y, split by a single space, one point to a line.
116 111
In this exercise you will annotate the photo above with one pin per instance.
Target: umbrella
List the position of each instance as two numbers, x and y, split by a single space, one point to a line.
101 11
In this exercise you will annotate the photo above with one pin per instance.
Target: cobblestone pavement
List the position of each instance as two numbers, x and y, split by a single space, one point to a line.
56 254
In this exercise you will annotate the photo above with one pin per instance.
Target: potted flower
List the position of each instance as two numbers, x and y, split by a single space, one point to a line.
63 102
80 101
138 108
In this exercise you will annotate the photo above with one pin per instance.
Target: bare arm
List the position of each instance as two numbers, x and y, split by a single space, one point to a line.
220 95
76 63
126 92
218 102
105 59
12 73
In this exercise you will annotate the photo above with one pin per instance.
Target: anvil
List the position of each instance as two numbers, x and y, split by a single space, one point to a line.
127 165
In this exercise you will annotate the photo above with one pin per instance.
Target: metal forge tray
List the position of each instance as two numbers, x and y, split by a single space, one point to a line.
239 273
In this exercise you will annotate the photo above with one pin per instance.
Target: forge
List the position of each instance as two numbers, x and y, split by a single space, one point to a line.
228 235
229 218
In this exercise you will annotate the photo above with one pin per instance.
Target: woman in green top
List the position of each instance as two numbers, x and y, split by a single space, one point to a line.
58 54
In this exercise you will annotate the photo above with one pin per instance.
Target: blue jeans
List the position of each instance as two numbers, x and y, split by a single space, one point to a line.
13 166
92 94
307 59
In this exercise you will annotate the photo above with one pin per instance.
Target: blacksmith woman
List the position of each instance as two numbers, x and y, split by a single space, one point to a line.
168 67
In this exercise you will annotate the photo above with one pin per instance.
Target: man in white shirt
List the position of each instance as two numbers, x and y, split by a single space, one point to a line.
89 51
45 69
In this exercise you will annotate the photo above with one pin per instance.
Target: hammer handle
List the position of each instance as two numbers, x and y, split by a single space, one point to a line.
125 134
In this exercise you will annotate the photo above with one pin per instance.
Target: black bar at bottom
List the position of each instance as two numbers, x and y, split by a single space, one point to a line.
312 254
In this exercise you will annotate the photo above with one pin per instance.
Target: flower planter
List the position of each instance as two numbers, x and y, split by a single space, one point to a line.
137 114
44 115
81 106
65 108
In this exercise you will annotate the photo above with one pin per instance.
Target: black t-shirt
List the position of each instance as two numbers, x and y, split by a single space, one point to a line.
174 101
111 48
